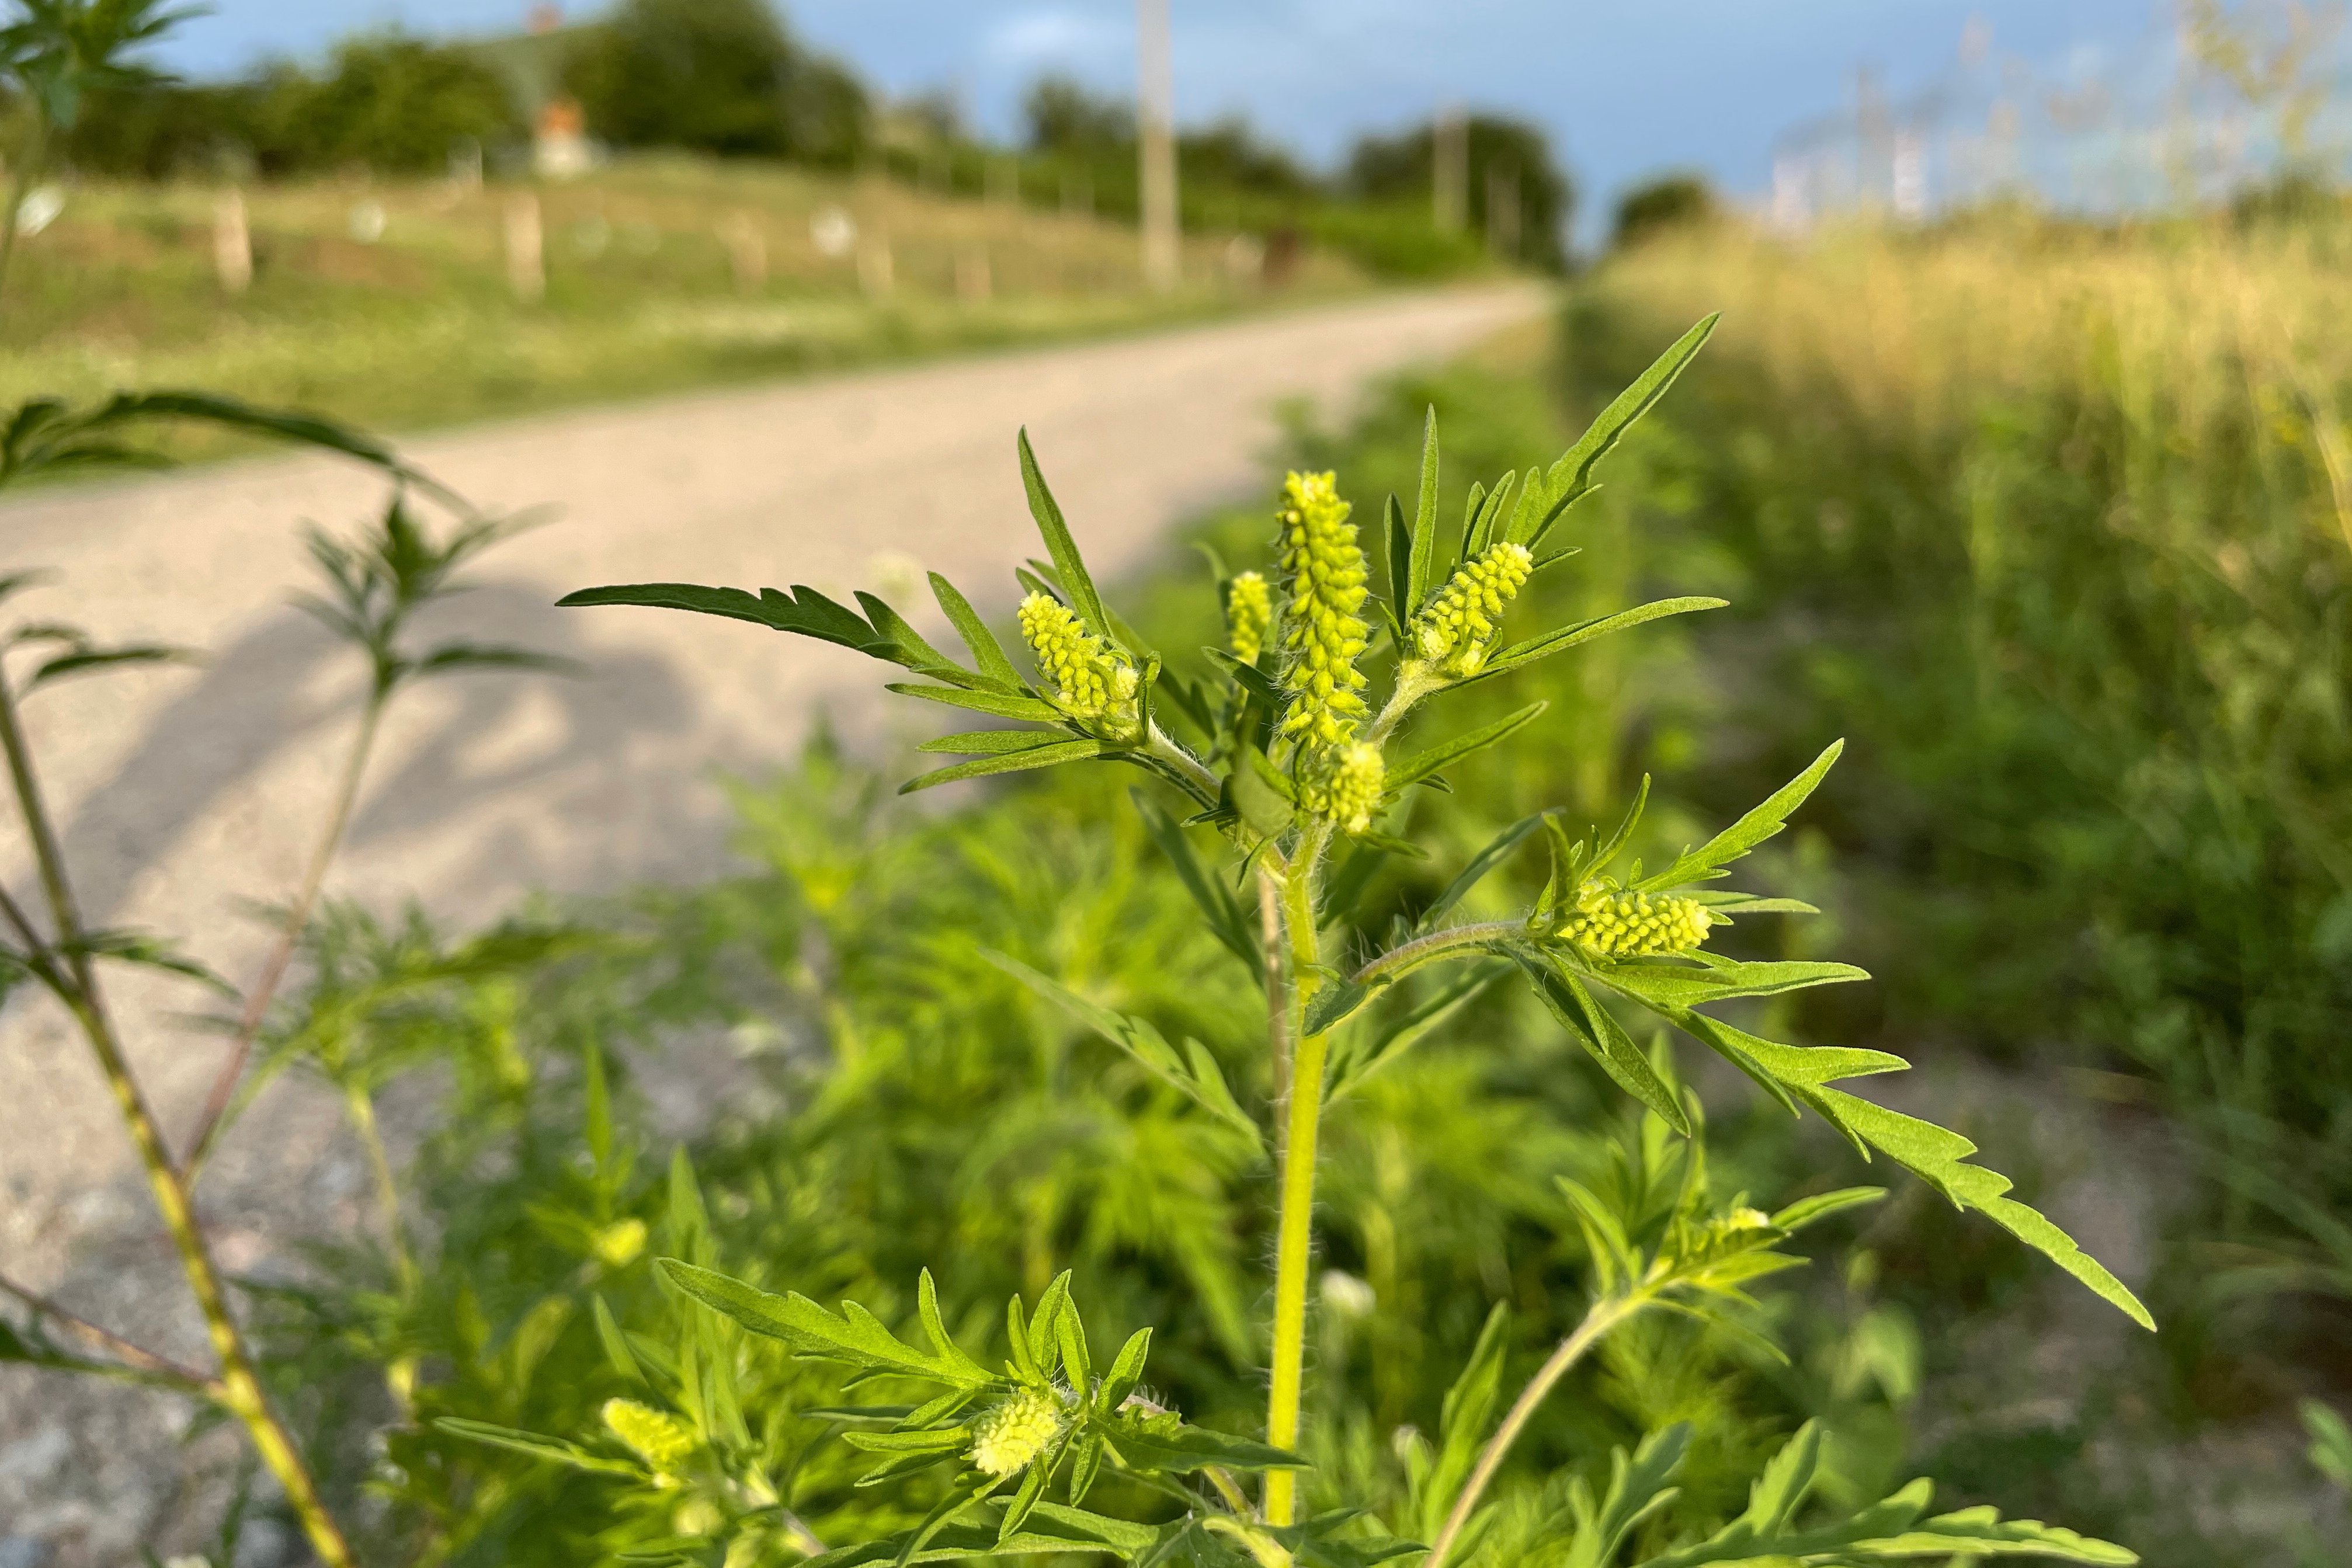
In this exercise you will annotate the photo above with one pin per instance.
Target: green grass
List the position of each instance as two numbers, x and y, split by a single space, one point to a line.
419 327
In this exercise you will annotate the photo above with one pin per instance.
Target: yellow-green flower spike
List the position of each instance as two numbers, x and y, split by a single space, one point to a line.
1322 633
1347 790
662 1440
1616 924
1249 615
1455 629
1091 681
1016 1432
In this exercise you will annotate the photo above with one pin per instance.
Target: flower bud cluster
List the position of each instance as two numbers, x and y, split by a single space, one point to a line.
1249 616
1457 628
1344 786
1322 630
662 1440
1016 1432
1090 680
1616 924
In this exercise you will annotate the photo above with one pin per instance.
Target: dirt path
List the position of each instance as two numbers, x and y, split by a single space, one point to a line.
183 792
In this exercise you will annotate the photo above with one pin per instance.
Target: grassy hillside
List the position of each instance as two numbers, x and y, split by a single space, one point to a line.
390 303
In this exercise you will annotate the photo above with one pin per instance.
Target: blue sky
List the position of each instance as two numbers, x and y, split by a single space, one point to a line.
1626 89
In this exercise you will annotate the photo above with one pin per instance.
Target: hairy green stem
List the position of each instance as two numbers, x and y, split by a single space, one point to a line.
1420 950
1605 1315
1164 746
1295 1230
289 935
238 1387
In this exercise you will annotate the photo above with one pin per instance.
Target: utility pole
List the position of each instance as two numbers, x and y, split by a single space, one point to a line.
1449 170
1155 101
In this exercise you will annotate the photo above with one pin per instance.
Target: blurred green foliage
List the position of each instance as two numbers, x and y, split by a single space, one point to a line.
387 101
713 76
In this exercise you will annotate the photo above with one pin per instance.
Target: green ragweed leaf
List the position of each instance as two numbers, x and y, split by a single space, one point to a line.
1162 1442
1194 1071
855 1336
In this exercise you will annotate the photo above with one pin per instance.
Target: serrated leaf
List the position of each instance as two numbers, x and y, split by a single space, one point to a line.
987 652
1572 477
1249 677
1482 865
1424 522
1354 1062
1520 654
1125 1372
1004 705
1463 1419
1639 1486
1396 535
1685 985
1051 1528
1982 1532
1138 1037
1750 830
1076 585
1490 513
1936 1156
1564 996
990 742
1813 1210
1085 1464
855 1337
531 1443
1216 900
935 1441
1187 1449
1047 753
1447 753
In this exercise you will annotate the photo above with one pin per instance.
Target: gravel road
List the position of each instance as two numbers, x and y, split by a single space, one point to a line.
185 792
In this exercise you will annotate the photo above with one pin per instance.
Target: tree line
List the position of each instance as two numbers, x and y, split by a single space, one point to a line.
729 79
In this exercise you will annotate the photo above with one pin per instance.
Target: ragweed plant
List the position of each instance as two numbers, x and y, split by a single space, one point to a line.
1289 748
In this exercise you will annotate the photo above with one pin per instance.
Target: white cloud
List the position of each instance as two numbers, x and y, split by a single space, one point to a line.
1054 36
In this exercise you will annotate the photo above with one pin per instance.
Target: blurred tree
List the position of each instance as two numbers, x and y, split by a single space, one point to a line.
387 101
1668 201
1066 115
393 102
715 76
1391 167
1230 153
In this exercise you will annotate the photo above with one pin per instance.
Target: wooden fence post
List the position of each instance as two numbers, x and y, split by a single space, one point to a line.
232 243
526 249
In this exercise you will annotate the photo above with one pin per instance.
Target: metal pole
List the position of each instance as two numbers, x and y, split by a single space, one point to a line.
1156 115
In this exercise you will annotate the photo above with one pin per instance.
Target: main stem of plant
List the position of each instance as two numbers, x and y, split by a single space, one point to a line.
1295 1235
237 1388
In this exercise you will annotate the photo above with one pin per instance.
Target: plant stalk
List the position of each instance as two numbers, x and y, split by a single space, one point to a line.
289 936
1604 1316
1294 1232
238 1389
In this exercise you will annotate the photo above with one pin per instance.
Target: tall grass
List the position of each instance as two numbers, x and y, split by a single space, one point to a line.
2058 524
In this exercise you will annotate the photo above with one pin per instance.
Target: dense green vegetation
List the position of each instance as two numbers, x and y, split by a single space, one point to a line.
826 966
